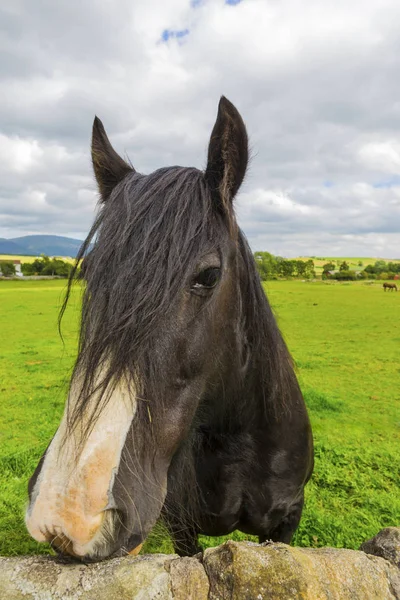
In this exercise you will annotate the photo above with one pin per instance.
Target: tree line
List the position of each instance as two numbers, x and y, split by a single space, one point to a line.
268 266
275 267
379 270
53 267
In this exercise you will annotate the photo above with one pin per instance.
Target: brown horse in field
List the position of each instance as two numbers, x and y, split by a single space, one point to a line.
389 286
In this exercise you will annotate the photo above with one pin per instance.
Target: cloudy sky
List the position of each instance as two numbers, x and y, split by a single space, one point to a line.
316 81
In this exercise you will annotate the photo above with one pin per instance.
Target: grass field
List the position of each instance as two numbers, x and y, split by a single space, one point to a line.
345 338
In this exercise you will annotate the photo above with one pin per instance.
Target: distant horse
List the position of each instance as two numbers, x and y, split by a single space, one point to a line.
183 402
389 286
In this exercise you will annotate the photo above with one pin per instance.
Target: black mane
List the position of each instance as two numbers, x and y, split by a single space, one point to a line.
149 236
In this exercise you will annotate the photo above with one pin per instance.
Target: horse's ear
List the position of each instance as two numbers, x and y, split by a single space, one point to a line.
228 154
109 167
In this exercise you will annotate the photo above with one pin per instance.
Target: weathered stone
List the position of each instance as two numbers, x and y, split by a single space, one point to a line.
385 544
44 578
233 571
246 571
188 579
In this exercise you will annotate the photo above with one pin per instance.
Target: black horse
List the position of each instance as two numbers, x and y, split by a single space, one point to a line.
183 402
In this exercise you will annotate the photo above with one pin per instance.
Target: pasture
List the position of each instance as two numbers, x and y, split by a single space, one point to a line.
31 259
345 340
355 263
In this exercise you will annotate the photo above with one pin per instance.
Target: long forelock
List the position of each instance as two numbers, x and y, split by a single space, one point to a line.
150 235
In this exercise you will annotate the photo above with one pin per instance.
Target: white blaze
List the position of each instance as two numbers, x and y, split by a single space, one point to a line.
73 489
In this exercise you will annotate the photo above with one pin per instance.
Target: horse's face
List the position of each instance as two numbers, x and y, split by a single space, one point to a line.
159 323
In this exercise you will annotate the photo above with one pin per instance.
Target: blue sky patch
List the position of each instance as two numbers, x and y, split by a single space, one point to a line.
387 183
232 2
178 34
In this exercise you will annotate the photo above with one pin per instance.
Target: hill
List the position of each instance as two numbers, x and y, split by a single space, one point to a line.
34 245
10 247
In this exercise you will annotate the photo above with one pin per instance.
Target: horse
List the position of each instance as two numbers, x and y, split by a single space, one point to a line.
389 286
183 404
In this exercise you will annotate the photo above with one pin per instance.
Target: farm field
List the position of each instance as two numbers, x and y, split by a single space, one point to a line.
355 263
345 340
30 259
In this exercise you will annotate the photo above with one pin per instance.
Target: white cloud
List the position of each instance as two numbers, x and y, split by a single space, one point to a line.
17 154
316 82
381 156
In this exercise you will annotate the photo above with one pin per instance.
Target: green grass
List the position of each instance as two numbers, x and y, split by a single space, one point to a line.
345 340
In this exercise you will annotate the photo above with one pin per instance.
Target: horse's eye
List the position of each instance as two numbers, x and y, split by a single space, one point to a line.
208 278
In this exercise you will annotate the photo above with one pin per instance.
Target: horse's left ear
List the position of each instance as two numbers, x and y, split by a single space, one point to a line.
109 168
228 154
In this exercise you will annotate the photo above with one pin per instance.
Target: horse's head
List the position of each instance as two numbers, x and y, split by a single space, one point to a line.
160 321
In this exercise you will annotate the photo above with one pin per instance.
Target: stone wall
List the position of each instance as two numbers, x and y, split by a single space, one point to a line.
237 571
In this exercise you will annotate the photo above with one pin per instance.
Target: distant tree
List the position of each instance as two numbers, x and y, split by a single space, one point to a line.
344 275
287 268
46 266
301 268
394 267
344 266
266 265
329 266
27 269
360 263
369 269
58 267
305 268
7 268
380 266
270 266
35 267
310 269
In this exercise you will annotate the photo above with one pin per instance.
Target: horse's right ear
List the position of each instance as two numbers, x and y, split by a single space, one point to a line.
228 155
109 167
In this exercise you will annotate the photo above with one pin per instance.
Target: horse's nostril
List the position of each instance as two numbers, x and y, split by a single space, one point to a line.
98 532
